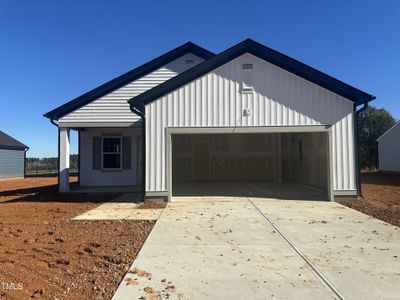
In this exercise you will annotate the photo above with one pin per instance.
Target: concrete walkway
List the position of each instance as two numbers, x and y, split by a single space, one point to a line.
248 248
124 207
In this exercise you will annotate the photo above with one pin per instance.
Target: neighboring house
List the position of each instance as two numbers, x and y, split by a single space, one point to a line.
247 114
389 149
12 157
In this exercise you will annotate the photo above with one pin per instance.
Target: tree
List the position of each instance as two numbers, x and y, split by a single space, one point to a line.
372 123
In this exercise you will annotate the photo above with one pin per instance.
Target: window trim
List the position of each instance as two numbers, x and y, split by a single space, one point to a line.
120 152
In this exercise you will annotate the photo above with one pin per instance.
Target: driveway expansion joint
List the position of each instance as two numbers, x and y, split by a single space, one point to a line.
317 272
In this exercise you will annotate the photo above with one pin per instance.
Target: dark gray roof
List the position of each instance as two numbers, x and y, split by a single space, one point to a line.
7 142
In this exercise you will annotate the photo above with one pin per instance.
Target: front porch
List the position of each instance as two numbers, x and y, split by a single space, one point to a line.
110 160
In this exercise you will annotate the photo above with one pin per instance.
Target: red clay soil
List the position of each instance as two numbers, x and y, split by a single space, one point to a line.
381 197
43 254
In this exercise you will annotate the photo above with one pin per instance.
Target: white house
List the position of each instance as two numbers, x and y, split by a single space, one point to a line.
389 149
190 117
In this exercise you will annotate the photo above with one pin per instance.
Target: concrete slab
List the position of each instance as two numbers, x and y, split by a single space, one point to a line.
120 209
218 250
223 191
359 254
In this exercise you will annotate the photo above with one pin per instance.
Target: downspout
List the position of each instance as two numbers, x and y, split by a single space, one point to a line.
141 114
357 152
58 156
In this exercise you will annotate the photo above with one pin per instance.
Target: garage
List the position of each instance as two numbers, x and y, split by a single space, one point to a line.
251 121
281 165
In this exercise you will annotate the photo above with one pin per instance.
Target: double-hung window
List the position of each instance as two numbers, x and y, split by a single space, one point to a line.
111 154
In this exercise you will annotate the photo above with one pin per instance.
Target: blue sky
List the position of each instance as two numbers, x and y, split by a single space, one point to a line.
53 51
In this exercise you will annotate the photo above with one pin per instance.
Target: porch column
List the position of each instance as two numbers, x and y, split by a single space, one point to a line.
63 160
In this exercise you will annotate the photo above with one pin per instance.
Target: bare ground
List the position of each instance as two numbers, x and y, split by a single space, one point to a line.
43 254
381 197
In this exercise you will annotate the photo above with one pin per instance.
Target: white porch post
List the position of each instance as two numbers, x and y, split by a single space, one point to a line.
64 160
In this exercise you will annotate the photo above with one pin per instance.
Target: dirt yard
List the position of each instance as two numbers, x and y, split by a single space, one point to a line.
381 199
45 255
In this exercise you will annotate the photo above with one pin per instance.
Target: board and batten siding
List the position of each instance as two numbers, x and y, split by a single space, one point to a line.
125 177
12 163
279 98
113 107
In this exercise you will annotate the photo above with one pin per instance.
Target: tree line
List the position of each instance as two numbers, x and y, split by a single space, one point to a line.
48 164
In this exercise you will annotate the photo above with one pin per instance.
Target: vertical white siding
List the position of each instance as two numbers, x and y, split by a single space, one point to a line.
113 107
11 163
90 177
279 99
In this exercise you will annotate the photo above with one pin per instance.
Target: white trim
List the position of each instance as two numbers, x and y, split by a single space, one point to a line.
345 193
267 129
387 131
137 124
120 152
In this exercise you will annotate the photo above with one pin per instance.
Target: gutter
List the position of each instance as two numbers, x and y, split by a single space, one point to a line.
357 150
140 113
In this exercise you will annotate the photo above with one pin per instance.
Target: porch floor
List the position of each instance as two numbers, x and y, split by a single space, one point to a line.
106 189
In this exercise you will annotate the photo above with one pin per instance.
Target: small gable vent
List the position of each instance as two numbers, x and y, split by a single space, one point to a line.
247 66
247 78
189 61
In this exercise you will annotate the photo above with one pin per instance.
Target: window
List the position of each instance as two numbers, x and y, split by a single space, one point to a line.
111 154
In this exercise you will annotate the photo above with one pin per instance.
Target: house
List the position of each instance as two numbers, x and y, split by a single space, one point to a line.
389 149
192 118
12 157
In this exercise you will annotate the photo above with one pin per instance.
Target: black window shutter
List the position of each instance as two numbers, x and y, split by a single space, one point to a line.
126 152
96 153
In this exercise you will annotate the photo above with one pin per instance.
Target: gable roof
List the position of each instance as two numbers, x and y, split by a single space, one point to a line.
387 131
128 77
249 46
8 142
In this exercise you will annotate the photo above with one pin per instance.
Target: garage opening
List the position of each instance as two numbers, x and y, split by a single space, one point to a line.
268 165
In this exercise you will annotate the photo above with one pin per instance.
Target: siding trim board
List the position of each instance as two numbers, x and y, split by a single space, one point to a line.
249 46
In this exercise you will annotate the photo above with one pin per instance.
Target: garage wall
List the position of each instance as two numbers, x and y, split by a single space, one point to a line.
279 98
232 157
304 159
91 177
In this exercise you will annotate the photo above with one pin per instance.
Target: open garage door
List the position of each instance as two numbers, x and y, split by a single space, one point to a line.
268 165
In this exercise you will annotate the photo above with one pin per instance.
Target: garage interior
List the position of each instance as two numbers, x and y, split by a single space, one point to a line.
292 166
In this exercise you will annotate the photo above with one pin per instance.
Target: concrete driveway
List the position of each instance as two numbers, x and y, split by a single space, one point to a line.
248 248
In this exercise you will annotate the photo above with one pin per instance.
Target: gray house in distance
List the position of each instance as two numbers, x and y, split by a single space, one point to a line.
12 157
389 149
191 122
